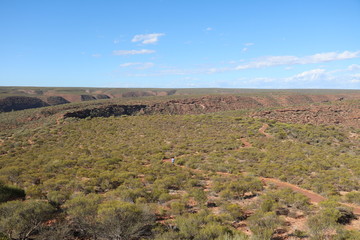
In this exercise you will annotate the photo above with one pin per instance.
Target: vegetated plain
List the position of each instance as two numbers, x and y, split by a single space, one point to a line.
111 177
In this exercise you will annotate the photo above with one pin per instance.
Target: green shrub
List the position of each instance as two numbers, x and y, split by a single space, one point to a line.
19 219
263 225
325 221
235 211
199 195
177 207
353 197
57 198
122 220
3 237
82 210
234 236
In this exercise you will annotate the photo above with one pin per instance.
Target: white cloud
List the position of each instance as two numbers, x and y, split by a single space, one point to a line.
312 75
132 52
116 41
129 64
208 29
138 65
147 38
292 60
96 55
244 49
268 62
330 56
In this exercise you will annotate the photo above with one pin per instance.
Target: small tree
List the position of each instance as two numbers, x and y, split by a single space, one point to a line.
83 210
123 220
325 220
20 219
263 225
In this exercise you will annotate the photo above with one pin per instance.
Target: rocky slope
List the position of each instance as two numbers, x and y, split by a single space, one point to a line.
342 113
336 113
19 99
14 103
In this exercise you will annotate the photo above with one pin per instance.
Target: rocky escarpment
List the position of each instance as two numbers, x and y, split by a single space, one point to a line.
107 111
204 105
335 114
185 106
87 97
56 100
148 93
209 104
14 103
102 96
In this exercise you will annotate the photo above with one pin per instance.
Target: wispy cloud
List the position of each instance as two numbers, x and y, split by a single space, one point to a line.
138 65
354 67
292 60
249 44
208 29
147 38
314 78
132 52
129 64
96 55
311 75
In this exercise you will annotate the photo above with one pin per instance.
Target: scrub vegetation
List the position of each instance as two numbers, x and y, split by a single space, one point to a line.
112 178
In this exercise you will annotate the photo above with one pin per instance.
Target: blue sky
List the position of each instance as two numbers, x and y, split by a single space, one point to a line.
180 44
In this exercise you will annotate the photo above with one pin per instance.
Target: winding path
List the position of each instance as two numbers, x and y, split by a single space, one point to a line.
263 129
245 143
313 197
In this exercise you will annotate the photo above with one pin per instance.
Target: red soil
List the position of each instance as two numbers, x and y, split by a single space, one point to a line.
263 129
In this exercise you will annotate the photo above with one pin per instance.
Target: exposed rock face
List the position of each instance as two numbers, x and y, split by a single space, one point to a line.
339 113
107 111
185 106
87 98
137 94
147 93
56 100
203 105
345 114
102 96
14 103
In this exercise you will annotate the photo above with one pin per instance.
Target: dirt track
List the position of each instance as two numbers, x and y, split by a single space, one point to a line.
245 143
313 197
263 129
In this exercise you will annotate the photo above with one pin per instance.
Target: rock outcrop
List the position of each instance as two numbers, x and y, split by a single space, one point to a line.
56 100
14 103
107 111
